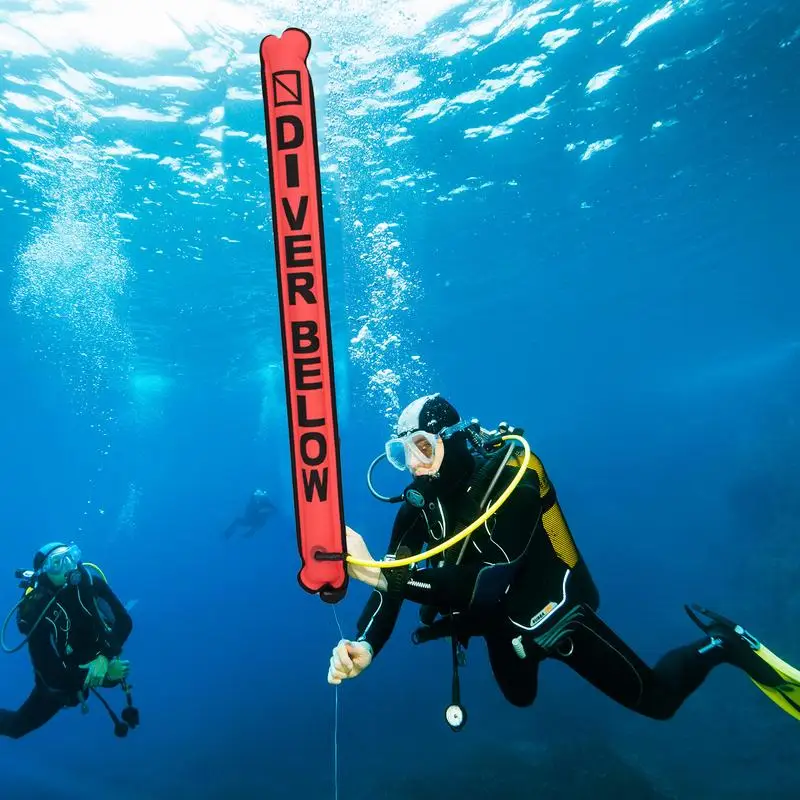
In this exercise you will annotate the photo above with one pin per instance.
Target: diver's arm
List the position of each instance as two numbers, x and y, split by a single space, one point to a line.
113 641
377 620
454 584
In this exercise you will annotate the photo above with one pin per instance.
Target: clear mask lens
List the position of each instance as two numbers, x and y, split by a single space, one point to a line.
396 454
62 561
417 449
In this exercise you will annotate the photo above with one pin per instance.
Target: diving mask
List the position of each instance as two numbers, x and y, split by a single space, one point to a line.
62 561
419 449
416 448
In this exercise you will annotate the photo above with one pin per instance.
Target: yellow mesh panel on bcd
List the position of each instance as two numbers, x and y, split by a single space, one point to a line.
553 520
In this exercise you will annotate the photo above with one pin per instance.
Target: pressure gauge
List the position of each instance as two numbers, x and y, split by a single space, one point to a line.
456 717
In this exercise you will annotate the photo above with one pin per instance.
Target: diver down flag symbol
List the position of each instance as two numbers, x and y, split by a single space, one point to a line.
286 88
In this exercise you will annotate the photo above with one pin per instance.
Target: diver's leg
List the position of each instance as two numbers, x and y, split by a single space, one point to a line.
231 529
599 656
255 522
517 678
40 707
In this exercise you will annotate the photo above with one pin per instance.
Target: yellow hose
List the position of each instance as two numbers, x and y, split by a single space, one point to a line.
95 567
440 548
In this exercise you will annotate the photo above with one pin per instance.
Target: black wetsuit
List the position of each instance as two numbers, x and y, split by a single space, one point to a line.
523 586
255 516
83 622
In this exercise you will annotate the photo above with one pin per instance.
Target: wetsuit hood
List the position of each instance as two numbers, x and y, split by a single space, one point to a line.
433 413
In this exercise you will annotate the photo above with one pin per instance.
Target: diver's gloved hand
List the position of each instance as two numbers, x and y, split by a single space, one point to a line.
349 660
96 672
118 669
357 547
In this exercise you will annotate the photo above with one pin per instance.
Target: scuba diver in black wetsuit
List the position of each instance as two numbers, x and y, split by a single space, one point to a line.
255 515
75 628
518 581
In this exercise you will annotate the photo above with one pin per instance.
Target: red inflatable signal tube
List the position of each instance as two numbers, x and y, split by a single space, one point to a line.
293 157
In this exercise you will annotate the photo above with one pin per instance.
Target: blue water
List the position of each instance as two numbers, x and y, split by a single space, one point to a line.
578 217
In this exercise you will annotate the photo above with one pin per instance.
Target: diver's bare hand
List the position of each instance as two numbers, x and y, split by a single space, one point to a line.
357 547
348 660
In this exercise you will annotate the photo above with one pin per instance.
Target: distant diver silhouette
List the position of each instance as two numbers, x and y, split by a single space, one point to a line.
258 508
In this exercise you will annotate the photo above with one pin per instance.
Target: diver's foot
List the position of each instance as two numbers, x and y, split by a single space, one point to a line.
738 646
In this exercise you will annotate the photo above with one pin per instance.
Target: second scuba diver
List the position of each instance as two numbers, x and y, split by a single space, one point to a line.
75 628
258 509
519 581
